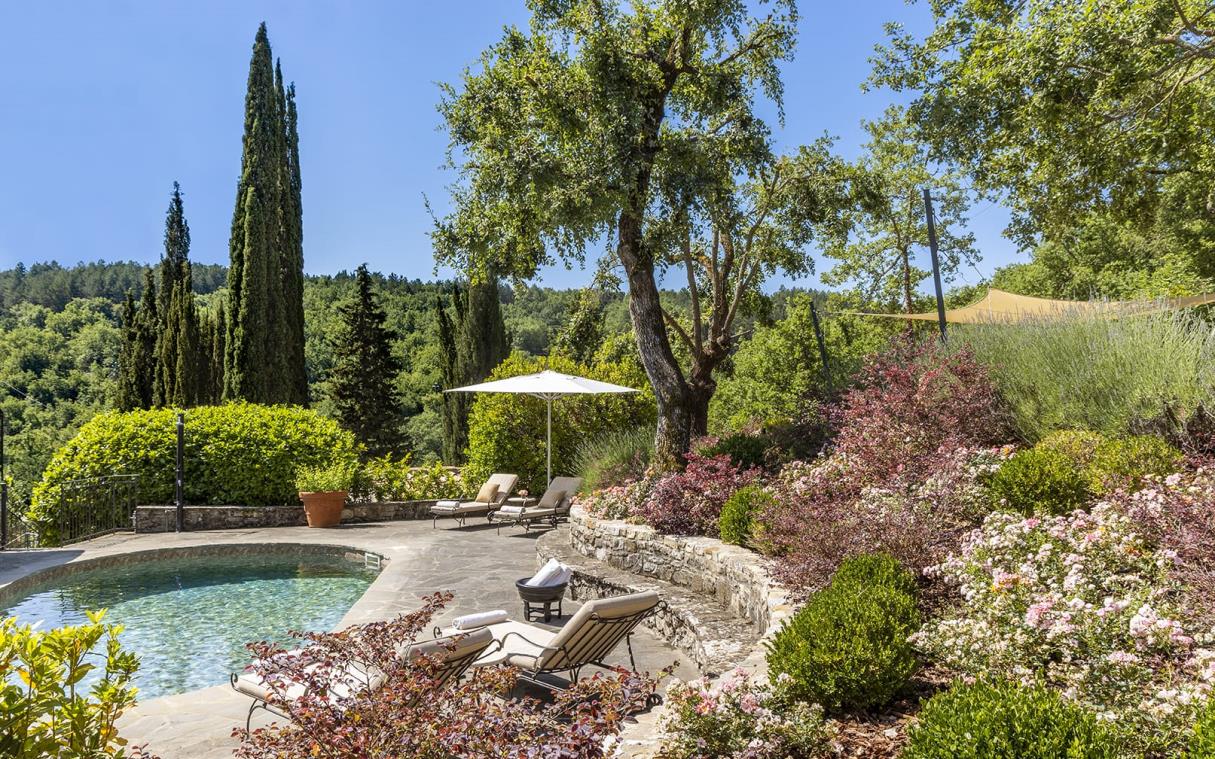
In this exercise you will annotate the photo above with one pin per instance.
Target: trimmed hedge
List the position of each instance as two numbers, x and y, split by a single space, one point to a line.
737 521
847 648
1069 468
239 453
1007 721
1039 480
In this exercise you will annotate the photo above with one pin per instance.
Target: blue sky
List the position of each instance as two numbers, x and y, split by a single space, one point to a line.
104 105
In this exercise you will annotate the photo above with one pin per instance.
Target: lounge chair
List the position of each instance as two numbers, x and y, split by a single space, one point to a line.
586 639
455 653
492 495
552 507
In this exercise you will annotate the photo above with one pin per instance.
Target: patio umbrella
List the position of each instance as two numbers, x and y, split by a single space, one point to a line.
547 386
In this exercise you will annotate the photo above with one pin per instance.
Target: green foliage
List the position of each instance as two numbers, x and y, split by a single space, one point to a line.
1069 467
506 433
239 453
614 457
737 521
329 478
54 286
1114 376
388 479
1127 460
362 383
57 370
473 342
1039 480
43 707
1202 741
847 648
776 376
1066 109
265 342
746 451
1008 721
885 225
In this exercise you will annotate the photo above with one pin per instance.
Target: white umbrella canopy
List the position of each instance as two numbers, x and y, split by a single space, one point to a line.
548 386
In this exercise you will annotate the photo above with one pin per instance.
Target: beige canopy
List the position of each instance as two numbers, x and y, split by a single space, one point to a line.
999 306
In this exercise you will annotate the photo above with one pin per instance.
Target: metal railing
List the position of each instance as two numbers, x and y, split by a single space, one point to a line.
15 530
88 508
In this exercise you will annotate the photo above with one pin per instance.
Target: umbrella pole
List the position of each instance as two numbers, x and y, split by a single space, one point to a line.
550 443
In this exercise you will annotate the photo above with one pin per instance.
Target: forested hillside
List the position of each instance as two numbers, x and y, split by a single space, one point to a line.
60 338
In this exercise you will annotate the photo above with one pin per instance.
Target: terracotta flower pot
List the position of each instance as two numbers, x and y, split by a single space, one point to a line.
324 509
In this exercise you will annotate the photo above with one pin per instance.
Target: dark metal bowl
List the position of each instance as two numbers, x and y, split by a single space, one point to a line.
539 595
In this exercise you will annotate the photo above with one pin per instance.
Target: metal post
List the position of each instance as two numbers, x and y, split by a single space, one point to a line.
936 262
3 489
822 345
181 442
550 442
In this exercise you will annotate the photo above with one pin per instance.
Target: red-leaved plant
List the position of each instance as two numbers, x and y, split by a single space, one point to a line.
912 404
408 716
689 502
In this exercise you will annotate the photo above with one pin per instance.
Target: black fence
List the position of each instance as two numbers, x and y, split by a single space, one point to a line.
83 509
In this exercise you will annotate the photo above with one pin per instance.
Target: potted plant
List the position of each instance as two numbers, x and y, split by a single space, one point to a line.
323 490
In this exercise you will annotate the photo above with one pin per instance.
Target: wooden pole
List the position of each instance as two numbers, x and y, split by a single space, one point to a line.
936 263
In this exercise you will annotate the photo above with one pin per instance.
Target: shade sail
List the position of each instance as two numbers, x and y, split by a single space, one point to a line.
998 306
547 385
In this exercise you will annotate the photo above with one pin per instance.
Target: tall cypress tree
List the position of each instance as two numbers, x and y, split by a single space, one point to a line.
475 343
264 345
147 329
177 365
362 381
128 372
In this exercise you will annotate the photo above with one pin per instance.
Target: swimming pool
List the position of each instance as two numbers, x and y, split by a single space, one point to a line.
189 618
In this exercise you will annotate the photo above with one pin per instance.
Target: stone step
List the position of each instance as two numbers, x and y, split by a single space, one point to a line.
706 631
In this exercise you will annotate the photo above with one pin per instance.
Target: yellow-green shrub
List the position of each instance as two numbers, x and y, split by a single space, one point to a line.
239 453
506 432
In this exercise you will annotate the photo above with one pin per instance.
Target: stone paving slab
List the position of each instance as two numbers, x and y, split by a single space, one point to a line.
477 565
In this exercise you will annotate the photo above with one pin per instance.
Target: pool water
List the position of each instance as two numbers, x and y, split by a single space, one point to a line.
189 619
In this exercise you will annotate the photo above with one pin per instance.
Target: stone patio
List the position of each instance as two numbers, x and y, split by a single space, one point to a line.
477 565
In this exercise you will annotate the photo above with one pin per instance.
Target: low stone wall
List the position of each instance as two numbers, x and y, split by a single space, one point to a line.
737 578
164 518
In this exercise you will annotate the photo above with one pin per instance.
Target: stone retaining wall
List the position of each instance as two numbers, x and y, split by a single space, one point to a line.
736 577
164 518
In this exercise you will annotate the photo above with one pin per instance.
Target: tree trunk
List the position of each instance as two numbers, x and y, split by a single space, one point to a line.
908 302
675 431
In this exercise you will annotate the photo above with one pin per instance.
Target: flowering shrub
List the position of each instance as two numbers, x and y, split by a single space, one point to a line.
616 502
1176 514
1080 602
42 710
386 479
819 517
913 404
403 717
847 648
1003 720
689 502
741 719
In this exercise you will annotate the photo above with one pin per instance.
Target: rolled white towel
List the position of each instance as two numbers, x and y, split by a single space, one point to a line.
551 574
480 619
511 509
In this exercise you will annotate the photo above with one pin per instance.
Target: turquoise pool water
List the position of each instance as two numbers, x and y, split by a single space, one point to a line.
189 619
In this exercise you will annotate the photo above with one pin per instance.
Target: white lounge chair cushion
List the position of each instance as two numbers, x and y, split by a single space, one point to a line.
515 646
466 507
354 678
